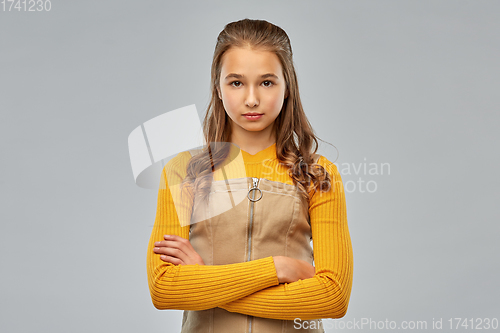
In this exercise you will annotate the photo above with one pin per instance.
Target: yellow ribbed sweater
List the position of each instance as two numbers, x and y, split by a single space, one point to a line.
252 287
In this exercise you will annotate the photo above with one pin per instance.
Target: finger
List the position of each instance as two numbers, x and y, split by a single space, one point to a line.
172 252
179 242
176 238
175 249
160 249
172 260
184 245
172 237
165 243
167 239
171 243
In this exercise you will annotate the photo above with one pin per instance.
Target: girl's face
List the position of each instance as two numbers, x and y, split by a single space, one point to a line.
251 82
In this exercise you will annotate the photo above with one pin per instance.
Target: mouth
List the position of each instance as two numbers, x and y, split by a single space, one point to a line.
252 115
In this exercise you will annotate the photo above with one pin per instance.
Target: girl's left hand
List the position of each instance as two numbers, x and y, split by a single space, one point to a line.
178 251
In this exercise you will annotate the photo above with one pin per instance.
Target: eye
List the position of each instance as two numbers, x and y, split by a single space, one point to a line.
235 83
267 83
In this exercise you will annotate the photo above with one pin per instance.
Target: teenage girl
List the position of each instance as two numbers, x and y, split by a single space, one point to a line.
249 267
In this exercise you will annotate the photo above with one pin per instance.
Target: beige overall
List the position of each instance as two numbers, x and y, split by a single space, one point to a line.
267 218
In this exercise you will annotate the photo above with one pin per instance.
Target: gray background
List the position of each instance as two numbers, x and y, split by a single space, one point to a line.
409 83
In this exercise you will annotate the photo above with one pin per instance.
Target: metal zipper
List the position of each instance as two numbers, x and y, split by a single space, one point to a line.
253 189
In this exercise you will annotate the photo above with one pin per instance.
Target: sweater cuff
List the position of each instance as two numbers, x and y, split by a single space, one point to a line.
267 271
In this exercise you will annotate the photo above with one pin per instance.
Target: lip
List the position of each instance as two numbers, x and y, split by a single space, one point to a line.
253 115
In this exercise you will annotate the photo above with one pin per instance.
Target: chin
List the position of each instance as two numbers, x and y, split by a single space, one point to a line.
255 126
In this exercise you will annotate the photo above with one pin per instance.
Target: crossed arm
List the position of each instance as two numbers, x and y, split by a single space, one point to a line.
266 287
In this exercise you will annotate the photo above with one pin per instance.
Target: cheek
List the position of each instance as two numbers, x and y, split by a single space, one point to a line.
275 102
230 103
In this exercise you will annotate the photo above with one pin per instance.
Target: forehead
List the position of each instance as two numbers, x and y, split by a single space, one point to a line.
246 61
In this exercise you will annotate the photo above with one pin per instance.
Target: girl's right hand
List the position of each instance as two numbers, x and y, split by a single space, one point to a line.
291 270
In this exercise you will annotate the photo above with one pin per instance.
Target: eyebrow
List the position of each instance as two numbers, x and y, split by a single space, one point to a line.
239 76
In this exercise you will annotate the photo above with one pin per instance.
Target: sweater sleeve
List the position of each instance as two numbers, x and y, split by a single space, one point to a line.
327 294
195 287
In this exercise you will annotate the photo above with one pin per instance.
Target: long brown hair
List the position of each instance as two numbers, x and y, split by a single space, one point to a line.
295 139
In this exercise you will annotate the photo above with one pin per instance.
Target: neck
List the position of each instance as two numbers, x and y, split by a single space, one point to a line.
253 142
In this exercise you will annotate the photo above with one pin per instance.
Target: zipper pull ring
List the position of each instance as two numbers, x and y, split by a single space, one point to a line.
254 187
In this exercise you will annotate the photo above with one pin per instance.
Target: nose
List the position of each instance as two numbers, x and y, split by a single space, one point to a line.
251 99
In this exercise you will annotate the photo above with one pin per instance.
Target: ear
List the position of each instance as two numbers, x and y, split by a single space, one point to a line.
218 92
286 93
